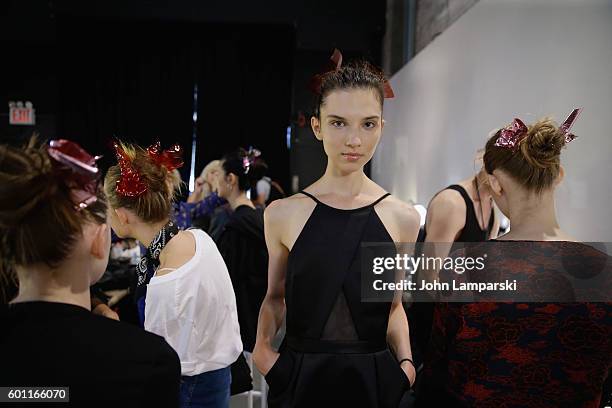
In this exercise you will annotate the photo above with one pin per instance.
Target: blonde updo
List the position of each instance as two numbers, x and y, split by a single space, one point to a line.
156 203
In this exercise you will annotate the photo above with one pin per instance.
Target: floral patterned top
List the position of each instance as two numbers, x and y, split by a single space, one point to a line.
506 355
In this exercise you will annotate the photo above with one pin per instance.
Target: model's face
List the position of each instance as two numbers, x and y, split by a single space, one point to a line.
223 183
211 177
350 127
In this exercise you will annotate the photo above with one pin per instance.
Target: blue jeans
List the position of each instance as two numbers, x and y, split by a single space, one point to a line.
207 390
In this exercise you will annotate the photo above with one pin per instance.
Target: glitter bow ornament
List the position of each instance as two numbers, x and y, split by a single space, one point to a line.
512 135
171 158
130 184
249 159
334 65
79 170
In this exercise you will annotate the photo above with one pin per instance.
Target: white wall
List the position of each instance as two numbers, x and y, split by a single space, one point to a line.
507 58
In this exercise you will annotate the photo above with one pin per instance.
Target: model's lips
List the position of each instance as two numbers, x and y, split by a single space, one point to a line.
352 156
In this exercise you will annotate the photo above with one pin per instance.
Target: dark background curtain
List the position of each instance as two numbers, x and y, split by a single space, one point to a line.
134 80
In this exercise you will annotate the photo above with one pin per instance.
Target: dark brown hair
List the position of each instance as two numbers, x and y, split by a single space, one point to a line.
156 203
38 220
354 75
234 163
535 162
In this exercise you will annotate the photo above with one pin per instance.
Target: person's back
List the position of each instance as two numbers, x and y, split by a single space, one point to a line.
56 241
534 345
553 352
103 362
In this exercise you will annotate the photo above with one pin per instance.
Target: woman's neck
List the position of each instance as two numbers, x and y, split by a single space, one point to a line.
63 285
238 198
343 184
534 219
145 233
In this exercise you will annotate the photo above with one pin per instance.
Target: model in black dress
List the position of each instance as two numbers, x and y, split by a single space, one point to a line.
337 348
335 345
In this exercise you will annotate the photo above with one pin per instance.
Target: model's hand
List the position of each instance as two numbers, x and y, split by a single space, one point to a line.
264 358
104 310
409 371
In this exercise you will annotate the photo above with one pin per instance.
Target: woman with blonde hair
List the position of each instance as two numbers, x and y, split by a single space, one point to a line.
185 290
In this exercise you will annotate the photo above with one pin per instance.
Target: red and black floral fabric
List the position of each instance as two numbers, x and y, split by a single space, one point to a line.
510 354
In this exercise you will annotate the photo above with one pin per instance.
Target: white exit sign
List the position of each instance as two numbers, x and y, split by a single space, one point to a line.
21 114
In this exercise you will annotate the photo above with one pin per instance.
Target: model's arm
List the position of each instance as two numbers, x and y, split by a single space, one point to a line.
445 217
445 220
398 333
272 309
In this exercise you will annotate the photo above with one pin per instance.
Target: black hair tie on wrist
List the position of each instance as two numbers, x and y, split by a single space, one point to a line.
407 359
413 365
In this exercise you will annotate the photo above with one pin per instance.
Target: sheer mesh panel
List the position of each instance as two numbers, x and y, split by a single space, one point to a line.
340 326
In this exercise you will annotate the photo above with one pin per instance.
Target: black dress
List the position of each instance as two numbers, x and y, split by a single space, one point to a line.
102 361
471 231
335 351
243 247
422 312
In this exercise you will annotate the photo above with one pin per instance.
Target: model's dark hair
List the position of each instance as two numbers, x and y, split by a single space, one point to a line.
354 75
38 219
535 163
234 163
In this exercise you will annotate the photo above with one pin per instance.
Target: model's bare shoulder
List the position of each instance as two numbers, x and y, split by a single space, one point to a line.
281 209
400 218
447 201
288 216
404 213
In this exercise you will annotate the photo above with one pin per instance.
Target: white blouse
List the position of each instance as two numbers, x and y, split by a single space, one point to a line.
194 309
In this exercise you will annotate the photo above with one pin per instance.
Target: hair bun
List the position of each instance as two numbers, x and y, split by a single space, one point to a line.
26 181
543 144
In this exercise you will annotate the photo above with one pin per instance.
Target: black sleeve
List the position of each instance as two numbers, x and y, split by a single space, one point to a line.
164 379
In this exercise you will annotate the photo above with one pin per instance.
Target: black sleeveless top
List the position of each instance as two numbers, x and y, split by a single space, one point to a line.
335 351
323 282
471 231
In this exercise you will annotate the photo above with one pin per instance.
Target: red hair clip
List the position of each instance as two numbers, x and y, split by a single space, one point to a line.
334 65
79 170
171 158
511 135
130 183
567 125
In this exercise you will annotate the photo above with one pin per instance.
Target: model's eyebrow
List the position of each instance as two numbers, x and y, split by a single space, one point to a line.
341 118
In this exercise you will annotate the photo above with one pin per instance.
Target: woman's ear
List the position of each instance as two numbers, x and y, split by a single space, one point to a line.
122 215
101 242
494 185
316 127
382 124
560 176
231 179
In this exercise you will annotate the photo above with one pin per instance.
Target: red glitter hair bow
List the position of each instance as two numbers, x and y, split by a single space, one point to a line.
171 158
78 169
567 125
334 65
511 135
130 183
